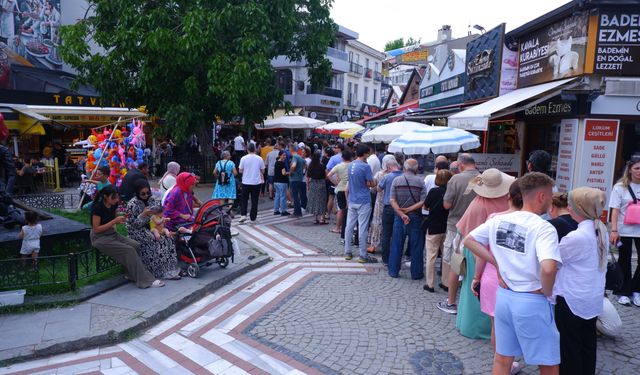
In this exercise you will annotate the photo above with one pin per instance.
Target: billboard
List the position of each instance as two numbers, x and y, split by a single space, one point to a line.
553 52
617 43
29 36
484 58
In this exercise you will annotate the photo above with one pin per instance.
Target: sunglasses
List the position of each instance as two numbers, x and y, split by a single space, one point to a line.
145 194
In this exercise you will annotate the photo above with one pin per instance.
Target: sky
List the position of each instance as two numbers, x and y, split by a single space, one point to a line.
379 21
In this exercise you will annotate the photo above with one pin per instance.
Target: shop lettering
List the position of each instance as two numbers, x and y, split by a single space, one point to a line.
531 50
616 36
606 66
549 108
82 101
597 164
598 148
598 156
450 84
596 180
598 172
625 20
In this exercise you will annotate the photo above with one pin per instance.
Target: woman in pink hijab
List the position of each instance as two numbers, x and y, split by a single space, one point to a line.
179 204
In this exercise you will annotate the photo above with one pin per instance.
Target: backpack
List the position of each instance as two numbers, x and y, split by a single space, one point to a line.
223 176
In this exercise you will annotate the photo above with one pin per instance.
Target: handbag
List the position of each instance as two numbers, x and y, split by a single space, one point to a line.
458 262
613 278
632 215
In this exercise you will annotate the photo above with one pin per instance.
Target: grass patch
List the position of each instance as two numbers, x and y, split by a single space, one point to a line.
82 216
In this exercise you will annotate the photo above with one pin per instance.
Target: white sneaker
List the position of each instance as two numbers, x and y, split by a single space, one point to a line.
242 219
624 300
636 299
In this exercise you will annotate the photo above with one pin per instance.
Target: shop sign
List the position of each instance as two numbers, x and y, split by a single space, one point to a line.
349 114
553 52
413 57
483 65
566 154
508 163
332 103
617 47
444 86
616 105
369 109
508 70
84 119
551 108
598 154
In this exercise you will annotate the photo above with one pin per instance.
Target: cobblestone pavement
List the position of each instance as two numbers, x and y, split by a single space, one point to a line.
310 312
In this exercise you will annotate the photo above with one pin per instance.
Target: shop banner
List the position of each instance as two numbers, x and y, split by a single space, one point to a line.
566 154
617 48
598 155
553 52
508 163
509 70
484 57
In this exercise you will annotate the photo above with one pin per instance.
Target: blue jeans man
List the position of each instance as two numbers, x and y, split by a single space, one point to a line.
388 216
416 245
357 214
297 188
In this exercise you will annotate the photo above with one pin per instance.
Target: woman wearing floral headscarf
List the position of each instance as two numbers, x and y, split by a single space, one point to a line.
179 203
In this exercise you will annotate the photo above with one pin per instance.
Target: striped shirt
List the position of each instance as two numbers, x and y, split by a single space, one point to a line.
407 190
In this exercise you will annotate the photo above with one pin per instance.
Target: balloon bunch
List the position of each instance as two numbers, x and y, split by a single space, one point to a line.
120 152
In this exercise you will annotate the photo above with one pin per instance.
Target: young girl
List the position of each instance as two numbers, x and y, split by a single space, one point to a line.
156 222
101 180
30 235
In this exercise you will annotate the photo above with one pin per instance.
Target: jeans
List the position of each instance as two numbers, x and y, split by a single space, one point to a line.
297 188
254 192
280 201
303 195
416 246
388 216
359 213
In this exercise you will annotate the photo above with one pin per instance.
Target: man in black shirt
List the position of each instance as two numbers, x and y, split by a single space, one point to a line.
127 190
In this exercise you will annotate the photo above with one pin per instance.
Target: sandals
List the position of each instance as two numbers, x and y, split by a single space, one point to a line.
176 277
334 230
157 284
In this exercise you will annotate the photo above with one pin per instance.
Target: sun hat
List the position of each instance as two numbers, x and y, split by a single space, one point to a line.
492 183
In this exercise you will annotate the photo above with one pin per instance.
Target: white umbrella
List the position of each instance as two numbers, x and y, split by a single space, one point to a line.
338 127
436 139
388 132
291 122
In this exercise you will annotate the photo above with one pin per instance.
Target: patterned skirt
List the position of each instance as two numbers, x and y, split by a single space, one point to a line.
317 197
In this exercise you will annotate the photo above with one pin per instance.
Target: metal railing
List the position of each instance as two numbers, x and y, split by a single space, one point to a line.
355 68
55 269
368 73
325 91
377 76
67 201
334 52
202 165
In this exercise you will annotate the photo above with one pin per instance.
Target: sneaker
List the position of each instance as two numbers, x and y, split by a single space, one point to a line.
348 257
285 213
446 307
636 299
624 300
407 264
242 219
276 213
368 260
253 222
516 367
342 241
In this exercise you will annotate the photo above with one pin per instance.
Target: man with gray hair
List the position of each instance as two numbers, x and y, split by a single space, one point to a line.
407 197
384 187
456 200
272 157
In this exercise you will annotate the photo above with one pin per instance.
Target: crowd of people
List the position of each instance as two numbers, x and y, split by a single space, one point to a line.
522 264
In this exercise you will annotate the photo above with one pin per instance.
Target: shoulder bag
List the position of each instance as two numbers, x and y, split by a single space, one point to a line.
614 278
632 215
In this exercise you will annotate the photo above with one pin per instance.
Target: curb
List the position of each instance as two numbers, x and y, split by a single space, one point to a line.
122 334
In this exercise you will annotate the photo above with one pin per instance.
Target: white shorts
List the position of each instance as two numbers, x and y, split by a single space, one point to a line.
28 251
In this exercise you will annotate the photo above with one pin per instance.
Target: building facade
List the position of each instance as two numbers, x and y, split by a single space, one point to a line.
363 82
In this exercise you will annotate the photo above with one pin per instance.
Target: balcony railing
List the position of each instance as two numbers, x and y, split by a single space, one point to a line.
333 52
368 73
377 76
325 91
355 68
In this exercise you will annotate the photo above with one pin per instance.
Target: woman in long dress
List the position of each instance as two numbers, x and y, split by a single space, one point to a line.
158 256
317 201
226 192
375 229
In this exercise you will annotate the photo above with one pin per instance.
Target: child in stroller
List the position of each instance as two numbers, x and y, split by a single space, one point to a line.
209 239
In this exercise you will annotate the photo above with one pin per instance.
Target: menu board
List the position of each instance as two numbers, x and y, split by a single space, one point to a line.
566 154
598 154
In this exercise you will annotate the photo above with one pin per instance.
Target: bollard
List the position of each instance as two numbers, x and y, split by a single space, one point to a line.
73 270
57 175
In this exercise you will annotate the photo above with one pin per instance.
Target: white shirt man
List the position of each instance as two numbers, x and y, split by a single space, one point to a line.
238 143
252 168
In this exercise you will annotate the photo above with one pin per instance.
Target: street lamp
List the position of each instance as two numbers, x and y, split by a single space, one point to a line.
480 28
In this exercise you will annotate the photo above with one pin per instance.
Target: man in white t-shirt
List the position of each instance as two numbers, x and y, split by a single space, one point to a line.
252 169
239 148
524 249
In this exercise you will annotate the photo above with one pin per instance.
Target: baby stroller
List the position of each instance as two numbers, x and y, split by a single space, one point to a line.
209 241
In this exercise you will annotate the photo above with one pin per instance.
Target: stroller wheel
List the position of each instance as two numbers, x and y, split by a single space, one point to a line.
193 270
223 262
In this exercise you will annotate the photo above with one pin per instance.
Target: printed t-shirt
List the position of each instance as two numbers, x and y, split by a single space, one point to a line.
359 174
519 241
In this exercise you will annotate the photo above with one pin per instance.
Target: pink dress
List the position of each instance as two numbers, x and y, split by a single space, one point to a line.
489 285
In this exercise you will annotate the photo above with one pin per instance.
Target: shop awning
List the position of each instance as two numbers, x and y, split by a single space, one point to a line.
91 116
477 117
378 115
23 109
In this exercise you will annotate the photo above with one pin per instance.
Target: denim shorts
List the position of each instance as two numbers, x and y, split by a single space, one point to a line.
524 325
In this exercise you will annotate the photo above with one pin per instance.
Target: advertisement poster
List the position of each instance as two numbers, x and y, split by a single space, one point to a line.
29 36
508 163
566 154
509 70
554 52
598 156
618 43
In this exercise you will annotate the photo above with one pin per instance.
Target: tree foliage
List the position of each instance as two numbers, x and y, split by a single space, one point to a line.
394 44
191 60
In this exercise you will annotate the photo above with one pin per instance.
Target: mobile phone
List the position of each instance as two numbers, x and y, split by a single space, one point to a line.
476 289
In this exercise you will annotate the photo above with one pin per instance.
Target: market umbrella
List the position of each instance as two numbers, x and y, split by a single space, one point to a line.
337 127
436 139
351 133
388 132
291 122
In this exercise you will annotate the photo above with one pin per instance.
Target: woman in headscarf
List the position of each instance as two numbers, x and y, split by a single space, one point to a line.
169 179
375 229
158 256
492 189
179 203
580 282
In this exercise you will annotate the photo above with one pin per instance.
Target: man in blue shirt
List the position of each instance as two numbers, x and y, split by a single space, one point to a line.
388 214
360 180
296 179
